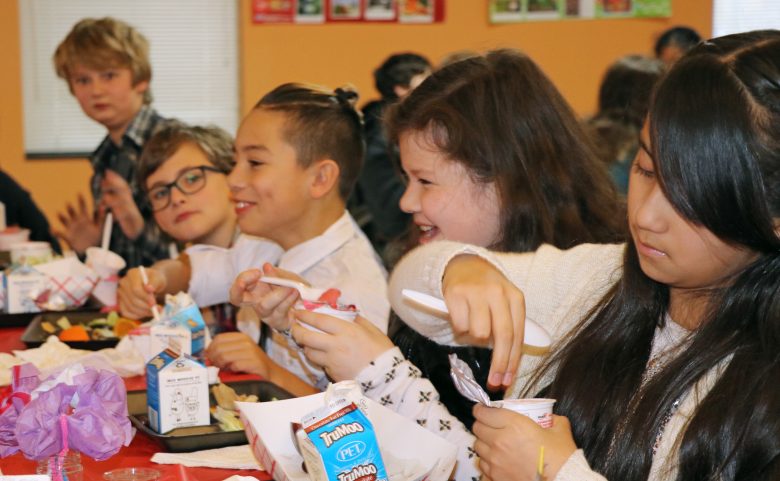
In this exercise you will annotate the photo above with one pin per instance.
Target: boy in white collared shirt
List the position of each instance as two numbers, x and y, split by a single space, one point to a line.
298 153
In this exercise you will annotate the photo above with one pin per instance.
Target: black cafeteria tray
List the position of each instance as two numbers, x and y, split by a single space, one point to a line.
200 437
20 319
34 335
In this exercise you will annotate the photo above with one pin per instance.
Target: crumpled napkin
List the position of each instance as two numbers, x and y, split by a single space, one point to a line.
55 354
231 457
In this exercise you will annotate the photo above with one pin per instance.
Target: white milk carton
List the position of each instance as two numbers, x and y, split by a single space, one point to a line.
183 310
177 392
22 285
167 334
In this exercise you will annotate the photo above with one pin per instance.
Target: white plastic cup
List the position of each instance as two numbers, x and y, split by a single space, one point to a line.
539 410
107 265
31 253
12 237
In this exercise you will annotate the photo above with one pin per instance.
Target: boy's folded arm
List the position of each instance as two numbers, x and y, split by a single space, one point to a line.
396 383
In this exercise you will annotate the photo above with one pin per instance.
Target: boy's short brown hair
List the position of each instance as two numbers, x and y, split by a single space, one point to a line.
213 141
101 43
321 124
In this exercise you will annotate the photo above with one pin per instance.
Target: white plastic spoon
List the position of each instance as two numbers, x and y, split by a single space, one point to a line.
535 335
308 293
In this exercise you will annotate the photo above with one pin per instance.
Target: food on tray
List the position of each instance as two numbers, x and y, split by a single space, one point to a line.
103 328
228 421
63 323
226 397
74 333
225 412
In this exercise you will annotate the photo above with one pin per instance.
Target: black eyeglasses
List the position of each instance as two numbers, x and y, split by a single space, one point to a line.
188 182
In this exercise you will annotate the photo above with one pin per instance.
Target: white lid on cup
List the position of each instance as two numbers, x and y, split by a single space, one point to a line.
105 258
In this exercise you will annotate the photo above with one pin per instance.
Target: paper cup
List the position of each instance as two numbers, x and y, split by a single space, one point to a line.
539 410
12 236
31 253
107 265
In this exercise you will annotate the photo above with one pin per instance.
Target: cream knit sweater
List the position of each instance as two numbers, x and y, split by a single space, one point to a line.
560 287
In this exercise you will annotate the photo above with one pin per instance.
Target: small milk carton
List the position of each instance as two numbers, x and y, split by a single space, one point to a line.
22 285
177 392
182 310
338 443
166 334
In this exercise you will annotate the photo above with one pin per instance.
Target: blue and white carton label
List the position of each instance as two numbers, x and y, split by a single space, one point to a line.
338 443
182 310
177 392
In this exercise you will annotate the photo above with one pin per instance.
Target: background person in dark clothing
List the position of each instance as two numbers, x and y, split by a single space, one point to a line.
374 201
20 210
674 43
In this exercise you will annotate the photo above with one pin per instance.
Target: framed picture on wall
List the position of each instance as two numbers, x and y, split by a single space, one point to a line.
310 11
417 11
382 10
345 10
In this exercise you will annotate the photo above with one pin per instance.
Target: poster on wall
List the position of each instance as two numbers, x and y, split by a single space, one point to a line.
338 11
506 11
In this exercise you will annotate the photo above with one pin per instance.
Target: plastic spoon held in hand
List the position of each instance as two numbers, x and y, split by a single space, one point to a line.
535 335
307 293
145 280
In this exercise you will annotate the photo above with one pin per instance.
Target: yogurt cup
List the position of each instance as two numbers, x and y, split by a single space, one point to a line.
538 409
342 311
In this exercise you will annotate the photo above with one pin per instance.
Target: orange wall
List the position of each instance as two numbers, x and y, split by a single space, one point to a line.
573 53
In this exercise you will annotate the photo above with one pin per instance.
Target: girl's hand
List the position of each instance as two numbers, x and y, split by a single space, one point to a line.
137 298
272 303
235 351
344 348
508 444
485 307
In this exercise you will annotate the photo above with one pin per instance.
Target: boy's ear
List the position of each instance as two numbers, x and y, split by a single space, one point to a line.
141 87
325 178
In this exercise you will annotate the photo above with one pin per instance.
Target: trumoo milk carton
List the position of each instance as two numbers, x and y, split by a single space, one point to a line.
338 443
177 392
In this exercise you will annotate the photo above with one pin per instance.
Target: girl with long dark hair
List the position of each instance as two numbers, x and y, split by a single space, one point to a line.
667 352
522 176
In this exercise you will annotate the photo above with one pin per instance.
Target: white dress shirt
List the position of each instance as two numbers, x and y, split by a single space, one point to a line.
341 257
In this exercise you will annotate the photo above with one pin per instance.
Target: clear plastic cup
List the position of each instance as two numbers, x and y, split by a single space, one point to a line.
107 265
132 474
539 410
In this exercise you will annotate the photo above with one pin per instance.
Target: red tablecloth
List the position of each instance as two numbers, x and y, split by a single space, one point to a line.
140 451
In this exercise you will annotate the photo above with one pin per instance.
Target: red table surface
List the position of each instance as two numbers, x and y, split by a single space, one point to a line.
141 449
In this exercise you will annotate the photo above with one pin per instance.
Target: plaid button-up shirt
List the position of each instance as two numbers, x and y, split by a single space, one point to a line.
151 245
